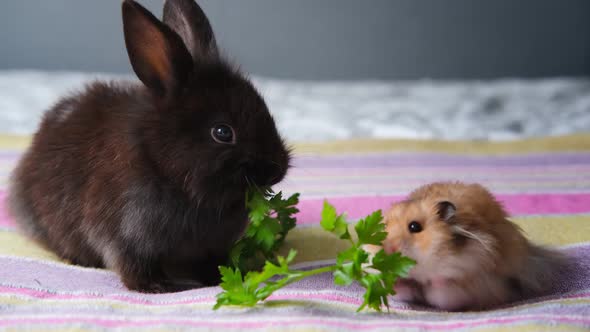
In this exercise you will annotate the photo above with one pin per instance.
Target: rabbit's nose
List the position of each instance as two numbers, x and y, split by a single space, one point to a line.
264 173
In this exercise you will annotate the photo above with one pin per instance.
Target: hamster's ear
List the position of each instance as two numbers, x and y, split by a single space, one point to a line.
157 54
446 210
191 24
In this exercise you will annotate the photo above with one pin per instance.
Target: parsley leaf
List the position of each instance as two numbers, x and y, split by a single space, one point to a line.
370 230
271 219
258 286
334 223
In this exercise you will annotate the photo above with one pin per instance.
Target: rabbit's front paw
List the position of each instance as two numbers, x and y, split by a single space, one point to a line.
160 286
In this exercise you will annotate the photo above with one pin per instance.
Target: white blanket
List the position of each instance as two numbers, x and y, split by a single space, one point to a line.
319 111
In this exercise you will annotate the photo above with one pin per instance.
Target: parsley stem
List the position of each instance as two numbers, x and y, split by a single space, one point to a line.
352 243
295 276
310 273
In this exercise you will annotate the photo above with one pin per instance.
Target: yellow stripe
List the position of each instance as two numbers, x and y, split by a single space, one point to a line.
14 244
580 142
577 142
99 303
313 243
14 142
556 231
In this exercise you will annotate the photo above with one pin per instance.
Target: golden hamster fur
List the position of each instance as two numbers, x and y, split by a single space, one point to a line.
469 255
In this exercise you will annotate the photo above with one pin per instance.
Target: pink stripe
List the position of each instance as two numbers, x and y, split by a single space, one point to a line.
517 204
442 325
5 218
359 206
47 295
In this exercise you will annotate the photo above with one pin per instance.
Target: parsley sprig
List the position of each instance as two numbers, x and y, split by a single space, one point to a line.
270 222
271 219
376 275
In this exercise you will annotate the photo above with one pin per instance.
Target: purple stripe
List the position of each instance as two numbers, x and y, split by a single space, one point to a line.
434 159
11 153
417 170
416 159
397 180
177 306
283 322
61 278
178 310
362 322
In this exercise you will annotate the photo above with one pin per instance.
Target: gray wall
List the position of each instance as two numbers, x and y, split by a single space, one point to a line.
325 39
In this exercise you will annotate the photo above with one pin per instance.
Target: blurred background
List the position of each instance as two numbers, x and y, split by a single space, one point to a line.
338 69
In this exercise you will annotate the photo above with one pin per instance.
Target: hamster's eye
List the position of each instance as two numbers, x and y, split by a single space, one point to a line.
223 134
414 227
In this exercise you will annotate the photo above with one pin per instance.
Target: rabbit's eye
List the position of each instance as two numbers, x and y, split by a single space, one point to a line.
414 227
223 134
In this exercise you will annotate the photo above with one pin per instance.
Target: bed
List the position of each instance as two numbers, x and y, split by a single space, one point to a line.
528 141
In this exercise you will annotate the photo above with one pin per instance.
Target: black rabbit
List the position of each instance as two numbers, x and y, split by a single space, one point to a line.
150 180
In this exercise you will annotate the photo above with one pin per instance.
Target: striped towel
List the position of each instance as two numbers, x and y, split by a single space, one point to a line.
544 183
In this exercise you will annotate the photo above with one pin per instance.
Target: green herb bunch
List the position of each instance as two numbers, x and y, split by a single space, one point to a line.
271 219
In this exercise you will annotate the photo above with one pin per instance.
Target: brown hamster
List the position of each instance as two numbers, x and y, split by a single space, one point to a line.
149 179
469 255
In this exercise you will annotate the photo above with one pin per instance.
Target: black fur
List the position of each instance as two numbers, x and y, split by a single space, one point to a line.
128 177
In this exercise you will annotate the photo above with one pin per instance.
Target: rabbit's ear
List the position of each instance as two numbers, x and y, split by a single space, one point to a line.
157 54
190 22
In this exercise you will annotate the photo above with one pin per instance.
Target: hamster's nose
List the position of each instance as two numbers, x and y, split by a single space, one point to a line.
390 248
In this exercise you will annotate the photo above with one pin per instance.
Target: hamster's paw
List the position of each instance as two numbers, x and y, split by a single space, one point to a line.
407 290
447 295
